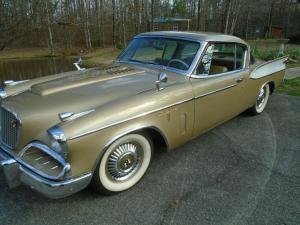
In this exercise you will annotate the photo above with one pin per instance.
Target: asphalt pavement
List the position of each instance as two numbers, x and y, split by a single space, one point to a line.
243 172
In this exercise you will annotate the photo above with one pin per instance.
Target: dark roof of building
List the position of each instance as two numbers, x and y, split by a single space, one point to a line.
169 19
196 36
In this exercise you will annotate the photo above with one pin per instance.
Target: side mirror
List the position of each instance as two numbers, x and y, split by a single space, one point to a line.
162 78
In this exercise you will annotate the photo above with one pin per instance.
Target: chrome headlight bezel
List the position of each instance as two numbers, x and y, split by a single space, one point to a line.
58 141
27 158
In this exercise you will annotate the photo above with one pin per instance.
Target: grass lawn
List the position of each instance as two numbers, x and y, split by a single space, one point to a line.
93 58
100 57
293 64
290 87
24 53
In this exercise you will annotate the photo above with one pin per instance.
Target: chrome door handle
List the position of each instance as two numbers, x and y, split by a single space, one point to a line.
239 80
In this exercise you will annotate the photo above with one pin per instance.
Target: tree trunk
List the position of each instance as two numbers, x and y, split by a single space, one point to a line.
87 33
199 14
123 12
236 14
228 11
247 24
102 12
270 20
113 23
152 15
51 47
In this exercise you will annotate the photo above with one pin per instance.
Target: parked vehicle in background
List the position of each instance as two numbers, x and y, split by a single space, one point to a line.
62 132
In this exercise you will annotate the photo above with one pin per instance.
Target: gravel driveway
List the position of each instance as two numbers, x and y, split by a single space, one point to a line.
245 171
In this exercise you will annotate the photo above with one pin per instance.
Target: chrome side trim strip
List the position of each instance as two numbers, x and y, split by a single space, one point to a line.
147 113
212 92
201 76
131 118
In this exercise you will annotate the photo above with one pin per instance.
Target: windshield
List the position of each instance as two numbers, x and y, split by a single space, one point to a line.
178 54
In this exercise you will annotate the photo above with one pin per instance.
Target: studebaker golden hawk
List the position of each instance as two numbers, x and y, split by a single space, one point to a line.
62 132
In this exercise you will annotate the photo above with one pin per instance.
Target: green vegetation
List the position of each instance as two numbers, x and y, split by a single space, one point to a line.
100 57
269 49
97 57
25 53
290 87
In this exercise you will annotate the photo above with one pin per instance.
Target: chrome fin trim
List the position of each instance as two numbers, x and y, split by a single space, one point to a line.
269 68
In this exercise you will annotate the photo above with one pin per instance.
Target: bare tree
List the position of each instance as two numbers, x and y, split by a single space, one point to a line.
91 23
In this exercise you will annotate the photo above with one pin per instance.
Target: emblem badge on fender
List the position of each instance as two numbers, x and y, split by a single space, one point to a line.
13 123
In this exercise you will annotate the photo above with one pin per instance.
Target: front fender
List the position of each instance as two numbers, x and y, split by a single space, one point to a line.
89 135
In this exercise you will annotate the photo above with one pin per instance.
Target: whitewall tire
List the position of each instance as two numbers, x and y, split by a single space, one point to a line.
261 100
123 164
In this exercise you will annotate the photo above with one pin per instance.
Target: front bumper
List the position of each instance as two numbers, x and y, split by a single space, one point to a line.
17 174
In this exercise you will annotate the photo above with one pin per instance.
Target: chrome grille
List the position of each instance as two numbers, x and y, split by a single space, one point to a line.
9 128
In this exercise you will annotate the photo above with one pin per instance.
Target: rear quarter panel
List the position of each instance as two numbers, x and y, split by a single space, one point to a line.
272 72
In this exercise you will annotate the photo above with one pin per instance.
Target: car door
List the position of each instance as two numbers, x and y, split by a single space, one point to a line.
219 85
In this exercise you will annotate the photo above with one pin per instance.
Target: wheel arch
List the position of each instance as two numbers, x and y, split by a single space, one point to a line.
272 86
153 132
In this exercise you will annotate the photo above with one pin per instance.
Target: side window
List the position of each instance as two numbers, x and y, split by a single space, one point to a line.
240 56
221 58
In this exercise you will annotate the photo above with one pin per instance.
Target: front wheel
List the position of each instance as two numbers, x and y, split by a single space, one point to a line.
123 164
261 100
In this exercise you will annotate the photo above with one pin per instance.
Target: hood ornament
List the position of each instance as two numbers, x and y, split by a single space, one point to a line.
77 65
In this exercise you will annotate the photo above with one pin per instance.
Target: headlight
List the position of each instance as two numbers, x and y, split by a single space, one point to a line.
58 141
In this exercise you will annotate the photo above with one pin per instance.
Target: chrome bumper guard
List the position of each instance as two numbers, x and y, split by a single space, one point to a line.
17 174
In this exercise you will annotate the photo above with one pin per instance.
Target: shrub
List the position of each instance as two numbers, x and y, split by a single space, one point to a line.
273 54
119 46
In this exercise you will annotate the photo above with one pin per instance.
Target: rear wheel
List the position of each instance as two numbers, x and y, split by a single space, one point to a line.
123 164
261 100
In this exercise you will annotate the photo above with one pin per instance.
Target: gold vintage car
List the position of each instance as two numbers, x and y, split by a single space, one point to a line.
101 126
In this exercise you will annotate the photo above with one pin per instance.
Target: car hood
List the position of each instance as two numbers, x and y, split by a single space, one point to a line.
38 107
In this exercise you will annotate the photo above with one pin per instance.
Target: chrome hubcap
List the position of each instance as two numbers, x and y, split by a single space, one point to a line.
124 161
261 97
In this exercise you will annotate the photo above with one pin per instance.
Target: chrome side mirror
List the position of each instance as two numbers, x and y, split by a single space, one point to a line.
162 78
